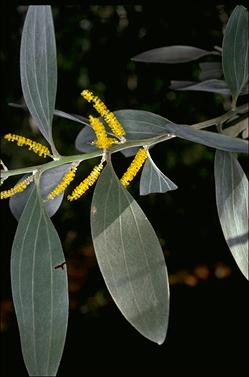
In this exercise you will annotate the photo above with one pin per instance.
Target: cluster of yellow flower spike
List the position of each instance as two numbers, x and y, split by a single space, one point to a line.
103 141
19 187
108 116
66 180
86 183
134 167
38 148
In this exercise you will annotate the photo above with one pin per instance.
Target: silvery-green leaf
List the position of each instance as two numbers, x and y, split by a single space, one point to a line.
172 54
19 200
212 86
231 186
210 70
128 152
49 180
130 257
140 124
76 118
39 67
153 180
84 139
235 50
39 290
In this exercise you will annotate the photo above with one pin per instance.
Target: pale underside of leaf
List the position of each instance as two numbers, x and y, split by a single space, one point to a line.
211 85
141 124
39 290
153 180
232 203
130 257
172 54
235 50
39 67
49 180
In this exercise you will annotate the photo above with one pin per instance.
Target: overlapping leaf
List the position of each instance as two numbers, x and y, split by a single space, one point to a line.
235 50
39 67
49 180
139 124
40 291
84 139
172 54
144 125
130 257
212 85
210 70
74 117
153 180
232 203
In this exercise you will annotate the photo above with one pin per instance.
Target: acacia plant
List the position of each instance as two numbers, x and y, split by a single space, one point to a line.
126 246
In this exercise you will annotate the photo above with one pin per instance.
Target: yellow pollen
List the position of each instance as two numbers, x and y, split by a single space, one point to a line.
37 148
134 167
86 183
66 180
103 141
19 187
108 116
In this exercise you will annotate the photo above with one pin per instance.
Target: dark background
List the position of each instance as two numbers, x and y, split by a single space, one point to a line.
208 328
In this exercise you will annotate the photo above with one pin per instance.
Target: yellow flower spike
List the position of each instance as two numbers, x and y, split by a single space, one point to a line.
66 180
108 116
37 148
19 187
134 167
103 141
86 183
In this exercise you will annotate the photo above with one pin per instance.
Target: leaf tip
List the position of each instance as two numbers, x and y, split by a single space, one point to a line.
161 341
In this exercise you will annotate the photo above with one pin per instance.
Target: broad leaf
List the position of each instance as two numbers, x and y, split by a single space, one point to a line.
153 180
212 85
130 257
144 125
139 124
39 289
84 139
231 186
235 50
38 67
49 180
172 54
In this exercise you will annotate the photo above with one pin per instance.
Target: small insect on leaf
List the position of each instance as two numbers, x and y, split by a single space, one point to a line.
60 266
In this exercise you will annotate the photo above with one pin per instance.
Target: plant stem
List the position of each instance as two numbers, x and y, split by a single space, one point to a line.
134 143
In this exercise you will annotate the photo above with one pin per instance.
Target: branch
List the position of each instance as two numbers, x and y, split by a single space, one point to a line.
135 143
